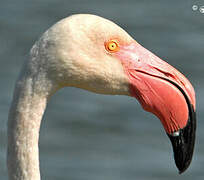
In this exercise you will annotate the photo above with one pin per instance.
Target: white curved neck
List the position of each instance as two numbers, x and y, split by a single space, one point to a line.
29 103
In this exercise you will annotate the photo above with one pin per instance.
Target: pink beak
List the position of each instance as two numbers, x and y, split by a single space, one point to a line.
164 91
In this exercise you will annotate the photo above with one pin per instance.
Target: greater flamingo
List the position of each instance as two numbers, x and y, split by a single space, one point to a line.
93 53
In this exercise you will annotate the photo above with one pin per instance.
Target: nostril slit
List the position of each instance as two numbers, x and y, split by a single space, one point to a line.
165 73
182 83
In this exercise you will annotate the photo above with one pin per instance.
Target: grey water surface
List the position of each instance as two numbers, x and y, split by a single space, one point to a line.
85 136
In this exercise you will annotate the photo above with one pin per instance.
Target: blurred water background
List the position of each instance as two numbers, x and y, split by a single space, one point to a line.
96 137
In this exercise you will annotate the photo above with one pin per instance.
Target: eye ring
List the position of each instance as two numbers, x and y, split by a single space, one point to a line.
112 46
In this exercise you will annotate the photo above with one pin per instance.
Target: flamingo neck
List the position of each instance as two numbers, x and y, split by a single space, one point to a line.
28 105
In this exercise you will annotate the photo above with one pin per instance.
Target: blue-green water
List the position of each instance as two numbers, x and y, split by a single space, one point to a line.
95 137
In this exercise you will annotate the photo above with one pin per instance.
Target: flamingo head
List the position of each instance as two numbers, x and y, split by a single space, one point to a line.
93 53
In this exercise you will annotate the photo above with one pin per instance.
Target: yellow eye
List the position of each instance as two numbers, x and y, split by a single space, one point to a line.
112 46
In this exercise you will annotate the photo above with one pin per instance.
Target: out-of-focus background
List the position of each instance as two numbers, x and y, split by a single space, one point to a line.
96 137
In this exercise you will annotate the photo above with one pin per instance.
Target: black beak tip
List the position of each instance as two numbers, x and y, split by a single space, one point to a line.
183 143
182 170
